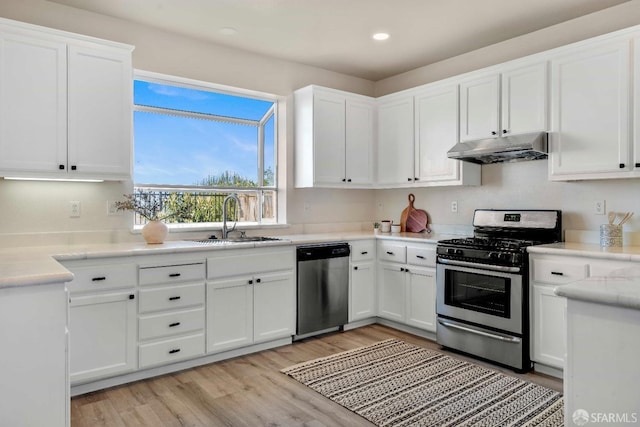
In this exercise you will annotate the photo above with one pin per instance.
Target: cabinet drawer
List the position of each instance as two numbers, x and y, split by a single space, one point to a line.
421 255
103 277
171 350
167 324
361 251
248 261
171 273
558 272
393 252
169 298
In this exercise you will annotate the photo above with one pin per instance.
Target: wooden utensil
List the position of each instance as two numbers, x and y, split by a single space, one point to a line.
405 213
417 219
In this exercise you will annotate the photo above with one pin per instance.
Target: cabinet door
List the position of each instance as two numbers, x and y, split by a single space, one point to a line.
103 335
421 297
549 342
391 292
395 141
479 108
33 104
229 313
100 100
363 291
274 297
590 113
524 100
436 132
328 138
359 142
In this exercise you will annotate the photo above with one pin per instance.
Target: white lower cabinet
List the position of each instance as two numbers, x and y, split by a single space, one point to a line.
250 297
102 320
549 343
407 288
362 296
171 316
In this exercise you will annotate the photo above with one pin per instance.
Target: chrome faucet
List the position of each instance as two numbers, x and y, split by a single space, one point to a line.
225 231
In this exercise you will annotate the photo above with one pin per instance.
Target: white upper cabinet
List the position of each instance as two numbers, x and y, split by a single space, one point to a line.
590 112
436 131
65 105
334 138
512 101
396 141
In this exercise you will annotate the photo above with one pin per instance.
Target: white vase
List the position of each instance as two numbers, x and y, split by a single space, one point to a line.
155 232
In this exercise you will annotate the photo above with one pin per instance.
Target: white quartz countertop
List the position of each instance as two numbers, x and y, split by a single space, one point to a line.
616 291
30 266
625 253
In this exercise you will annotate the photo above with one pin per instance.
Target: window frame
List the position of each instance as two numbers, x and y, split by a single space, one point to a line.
275 111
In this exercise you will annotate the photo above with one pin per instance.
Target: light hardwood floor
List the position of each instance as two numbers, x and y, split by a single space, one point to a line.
245 391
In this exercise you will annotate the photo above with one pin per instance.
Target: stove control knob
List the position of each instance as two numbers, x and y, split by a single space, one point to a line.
494 255
503 257
459 252
451 251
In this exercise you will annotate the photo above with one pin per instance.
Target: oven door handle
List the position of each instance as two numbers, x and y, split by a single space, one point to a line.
500 268
500 337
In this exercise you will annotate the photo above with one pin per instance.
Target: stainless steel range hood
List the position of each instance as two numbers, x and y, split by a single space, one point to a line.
530 146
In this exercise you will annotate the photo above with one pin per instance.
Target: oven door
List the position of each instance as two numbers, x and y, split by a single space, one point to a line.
481 296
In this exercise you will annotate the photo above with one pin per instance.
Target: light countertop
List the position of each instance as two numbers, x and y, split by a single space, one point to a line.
624 253
616 291
30 266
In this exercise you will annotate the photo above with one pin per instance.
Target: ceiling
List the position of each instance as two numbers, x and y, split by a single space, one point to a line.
336 34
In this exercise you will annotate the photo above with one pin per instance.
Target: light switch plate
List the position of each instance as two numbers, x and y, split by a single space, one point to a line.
74 209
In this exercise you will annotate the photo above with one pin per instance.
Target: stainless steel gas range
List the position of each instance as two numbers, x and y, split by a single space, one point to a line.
482 291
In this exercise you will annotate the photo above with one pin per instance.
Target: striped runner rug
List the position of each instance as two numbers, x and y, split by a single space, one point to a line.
392 383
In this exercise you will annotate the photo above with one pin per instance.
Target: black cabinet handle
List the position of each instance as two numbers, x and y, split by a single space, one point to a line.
74 167
638 165
251 282
355 268
494 132
174 298
174 275
406 270
557 273
364 253
175 350
504 131
344 179
409 179
390 253
401 268
420 256
622 165
132 296
416 178
98 279
173 325
61 167
258 280
349 180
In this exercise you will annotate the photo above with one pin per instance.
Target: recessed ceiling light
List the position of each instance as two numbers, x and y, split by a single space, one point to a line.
228 31
380 36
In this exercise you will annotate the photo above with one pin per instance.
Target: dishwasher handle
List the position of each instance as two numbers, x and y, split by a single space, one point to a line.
326 251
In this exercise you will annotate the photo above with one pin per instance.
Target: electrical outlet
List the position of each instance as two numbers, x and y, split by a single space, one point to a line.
74 209
600 207
112 210
454 206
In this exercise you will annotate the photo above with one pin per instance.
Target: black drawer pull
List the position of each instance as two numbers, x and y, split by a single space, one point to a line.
638 165
420 256
364 253
409 179
390 253
175 350
174 298
61 167
251 282
74 167
401 268
557 273
258 280
174 275
622 165
132 296
173 325
355 268
98 279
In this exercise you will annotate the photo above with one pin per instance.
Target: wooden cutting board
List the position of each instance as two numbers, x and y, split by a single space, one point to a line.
405 213
417 219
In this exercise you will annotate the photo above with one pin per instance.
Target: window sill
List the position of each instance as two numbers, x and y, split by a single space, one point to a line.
187 228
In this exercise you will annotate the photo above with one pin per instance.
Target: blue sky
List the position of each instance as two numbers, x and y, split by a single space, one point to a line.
183 151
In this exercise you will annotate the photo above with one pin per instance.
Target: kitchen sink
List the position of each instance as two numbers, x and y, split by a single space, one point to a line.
232 240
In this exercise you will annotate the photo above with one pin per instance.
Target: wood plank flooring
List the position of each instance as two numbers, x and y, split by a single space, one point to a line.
245 391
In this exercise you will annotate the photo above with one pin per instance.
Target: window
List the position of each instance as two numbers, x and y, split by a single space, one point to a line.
195 144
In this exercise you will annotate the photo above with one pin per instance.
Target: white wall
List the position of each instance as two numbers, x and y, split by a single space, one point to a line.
41 208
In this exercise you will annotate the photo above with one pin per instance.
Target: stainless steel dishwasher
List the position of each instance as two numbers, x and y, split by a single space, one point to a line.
323 288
